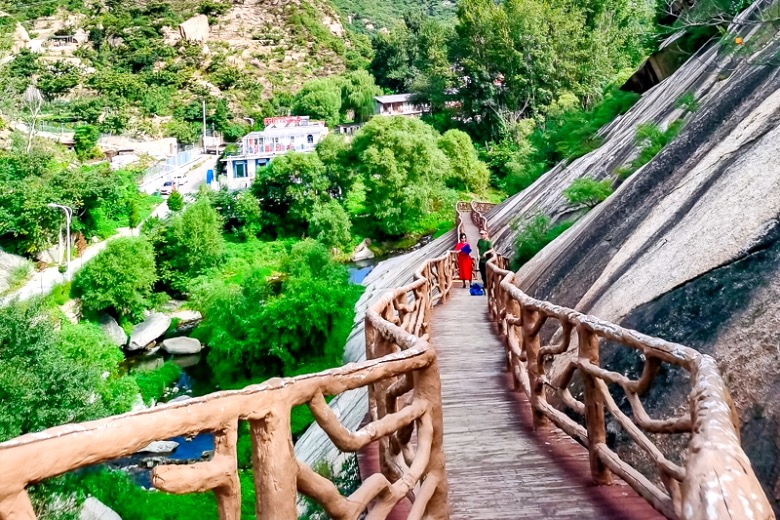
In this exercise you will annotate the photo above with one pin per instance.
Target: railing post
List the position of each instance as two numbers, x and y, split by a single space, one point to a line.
427 386
274 464
532 343
16 507
588 350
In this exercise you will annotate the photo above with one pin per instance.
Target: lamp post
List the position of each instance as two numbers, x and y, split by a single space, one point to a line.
68 216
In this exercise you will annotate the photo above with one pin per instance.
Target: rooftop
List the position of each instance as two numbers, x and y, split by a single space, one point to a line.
394 98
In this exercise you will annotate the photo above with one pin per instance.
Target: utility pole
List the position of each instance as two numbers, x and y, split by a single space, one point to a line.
68 215
204 124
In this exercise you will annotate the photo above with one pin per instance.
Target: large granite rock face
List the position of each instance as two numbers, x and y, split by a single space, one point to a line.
94 509
148 331
688 248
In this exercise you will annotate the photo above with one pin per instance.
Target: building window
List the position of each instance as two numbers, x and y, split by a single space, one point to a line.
239 170
260 163
310 139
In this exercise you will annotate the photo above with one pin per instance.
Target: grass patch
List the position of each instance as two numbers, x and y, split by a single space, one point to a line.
532 236
651 140
153 384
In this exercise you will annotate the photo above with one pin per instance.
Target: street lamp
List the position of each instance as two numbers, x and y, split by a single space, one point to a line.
68 215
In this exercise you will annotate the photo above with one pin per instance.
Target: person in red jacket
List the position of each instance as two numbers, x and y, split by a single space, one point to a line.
465 265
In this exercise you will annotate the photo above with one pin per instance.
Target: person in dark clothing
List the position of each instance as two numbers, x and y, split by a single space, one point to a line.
485 248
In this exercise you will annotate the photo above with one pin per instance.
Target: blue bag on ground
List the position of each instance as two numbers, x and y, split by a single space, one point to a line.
476 290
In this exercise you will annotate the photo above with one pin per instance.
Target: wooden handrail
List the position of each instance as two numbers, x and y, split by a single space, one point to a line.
403 380
717 480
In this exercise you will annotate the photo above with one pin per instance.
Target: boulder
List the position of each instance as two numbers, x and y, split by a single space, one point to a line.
160 447
362 252
179 346
185 320
94 509
113 330
196 29
148 331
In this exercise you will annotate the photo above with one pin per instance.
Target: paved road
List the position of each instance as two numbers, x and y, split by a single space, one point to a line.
44 281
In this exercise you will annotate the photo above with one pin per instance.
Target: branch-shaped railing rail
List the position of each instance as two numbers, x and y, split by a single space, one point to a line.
403 380
716 480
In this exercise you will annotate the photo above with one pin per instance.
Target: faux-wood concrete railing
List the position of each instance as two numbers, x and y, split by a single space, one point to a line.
716 482
403 380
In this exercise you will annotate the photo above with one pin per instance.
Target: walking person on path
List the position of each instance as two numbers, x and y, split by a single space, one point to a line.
465 264
485 247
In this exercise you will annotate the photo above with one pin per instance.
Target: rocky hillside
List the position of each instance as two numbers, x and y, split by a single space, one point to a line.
688 248
143 68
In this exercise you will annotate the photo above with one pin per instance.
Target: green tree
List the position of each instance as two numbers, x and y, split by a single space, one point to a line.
403 170
467 171
333 151
288 189
330 224
85 138
58 78
357 95
587 192
435 78
248 213
184 132
319 99
395 55
175 201
187 244
311 286
49 378
119 279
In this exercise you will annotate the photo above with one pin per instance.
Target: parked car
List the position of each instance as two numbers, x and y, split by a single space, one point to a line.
168 187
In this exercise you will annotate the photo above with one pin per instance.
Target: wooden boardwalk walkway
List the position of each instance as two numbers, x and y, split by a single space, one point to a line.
497 466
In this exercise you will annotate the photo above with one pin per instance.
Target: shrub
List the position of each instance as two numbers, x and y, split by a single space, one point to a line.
175 201
651 140
119 279
49 377
330 224
587 192
687 102
152 384
533 235
85 139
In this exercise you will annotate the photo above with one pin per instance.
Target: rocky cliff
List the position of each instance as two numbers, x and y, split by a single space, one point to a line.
688 247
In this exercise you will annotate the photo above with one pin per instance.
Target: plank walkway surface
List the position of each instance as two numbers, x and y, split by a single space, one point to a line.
497 466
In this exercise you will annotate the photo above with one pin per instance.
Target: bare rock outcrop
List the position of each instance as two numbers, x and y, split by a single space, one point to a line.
21 39
196 29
